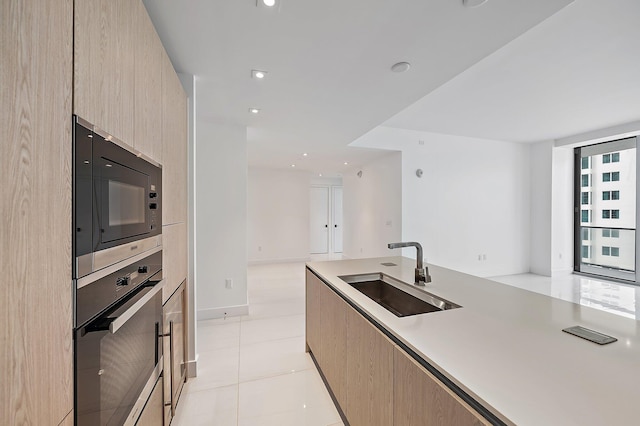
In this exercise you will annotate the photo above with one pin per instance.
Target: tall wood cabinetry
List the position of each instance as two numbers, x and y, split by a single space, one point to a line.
125 84
36 360
372 379
104 64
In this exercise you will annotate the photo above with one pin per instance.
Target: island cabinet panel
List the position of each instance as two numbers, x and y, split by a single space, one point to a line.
36 319
369 374
104 65
148 86
313 324
420 399
333 340
174 146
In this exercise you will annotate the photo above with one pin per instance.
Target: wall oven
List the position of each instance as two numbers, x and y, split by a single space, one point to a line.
117 341
117 210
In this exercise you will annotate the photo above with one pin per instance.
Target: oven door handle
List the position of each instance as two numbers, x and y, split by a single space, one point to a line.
126 316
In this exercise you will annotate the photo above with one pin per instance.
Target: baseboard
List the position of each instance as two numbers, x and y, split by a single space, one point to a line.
289 260
225 311
192 367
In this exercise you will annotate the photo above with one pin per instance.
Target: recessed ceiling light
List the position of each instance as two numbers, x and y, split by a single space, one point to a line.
401 67
293 165
305 154
258 74
320 174
346 164
254 110
269 3
473 3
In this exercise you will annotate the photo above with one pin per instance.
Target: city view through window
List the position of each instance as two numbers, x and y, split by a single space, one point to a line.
607 209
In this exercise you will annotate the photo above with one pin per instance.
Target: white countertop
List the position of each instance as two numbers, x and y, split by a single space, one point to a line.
505 346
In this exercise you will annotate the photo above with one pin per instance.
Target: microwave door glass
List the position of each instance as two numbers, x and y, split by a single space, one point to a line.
126 204
123 207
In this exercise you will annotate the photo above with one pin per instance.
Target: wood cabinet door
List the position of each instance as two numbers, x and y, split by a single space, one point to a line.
174 257
174 349
313 324
420 399
153 410
174 146
333 340
148 85
104 70
369 374
36 354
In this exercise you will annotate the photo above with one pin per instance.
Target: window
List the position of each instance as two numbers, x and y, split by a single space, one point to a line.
585 162
601 218
585 198
585 216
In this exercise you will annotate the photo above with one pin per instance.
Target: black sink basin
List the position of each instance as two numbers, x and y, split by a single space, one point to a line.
390 294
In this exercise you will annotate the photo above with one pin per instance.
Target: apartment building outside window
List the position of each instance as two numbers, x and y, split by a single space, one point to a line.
605 234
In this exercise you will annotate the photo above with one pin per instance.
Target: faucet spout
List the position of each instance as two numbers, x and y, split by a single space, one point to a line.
422 273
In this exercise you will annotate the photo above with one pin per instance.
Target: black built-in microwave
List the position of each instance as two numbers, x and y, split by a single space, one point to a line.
117 211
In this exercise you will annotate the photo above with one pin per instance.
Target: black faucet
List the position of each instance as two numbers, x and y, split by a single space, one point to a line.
422 273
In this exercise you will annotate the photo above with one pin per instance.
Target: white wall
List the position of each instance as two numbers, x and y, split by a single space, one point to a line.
278 215
562 211
189 84
373 208
472 200
221 219
541 154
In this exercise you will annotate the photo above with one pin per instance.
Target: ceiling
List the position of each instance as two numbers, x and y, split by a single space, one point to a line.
575 72
328 63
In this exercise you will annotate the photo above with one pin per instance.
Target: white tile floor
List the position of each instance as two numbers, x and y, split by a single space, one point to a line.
253 370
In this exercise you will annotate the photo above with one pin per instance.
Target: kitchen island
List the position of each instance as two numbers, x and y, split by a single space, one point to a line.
502 352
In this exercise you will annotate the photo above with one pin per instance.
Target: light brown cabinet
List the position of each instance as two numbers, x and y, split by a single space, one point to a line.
420 399
313 322
333 341
174 257
104 65
174 350
174 146
374 381
36 70
369 374
151 414
148 86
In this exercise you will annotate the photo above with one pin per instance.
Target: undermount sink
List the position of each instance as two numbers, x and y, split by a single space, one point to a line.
397 297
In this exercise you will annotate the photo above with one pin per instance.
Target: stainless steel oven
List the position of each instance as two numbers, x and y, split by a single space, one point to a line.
117 341
117 210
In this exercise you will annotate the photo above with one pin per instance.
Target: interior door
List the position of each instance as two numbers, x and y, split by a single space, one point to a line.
319 220
336 193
